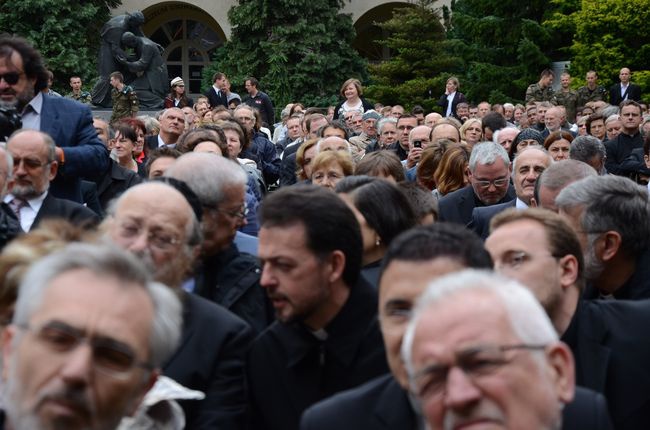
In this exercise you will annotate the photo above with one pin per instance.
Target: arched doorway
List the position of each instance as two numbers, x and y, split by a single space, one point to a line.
189 35
368 32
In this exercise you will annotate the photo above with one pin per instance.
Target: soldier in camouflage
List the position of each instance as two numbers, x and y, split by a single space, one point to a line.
592 91
125 101
77 93
542 91
567 97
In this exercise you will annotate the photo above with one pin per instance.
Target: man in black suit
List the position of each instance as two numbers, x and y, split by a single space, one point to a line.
527 166
608 337
414 259
160 225
610 215
172 125
326 338
216 94
34 166
624 90
629 139
489 177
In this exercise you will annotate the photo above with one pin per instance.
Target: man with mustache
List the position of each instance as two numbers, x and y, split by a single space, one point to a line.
71 361
79 152
158 224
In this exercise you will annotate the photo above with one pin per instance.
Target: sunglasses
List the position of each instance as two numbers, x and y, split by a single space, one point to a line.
11 78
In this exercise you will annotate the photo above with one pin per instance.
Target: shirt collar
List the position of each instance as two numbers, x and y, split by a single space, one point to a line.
36 103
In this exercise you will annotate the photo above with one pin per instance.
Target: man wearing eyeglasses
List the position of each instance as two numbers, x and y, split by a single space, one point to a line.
489 177
481 352
78 152
89 336
34 167
608 337
528 165
157 224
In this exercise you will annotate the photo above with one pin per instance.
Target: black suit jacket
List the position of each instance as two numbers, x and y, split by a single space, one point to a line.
115 182
289 369
458 98
611 348
633 93
481 217
73 212
210 359
216 100
382 404
458 206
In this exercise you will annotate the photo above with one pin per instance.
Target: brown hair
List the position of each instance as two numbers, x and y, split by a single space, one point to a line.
300 158
381 163
450 174
342 158
353 81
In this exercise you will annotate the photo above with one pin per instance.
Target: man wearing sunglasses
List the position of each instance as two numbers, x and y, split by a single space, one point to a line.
79 152
72 361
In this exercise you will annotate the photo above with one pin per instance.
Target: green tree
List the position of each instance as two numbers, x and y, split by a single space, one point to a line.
66 32
299 50
606 39
419 63
503 44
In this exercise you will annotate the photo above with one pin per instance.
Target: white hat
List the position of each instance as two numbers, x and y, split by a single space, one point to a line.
177 81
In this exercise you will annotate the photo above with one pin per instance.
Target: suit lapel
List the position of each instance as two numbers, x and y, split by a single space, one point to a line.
46 208
50 123
393 408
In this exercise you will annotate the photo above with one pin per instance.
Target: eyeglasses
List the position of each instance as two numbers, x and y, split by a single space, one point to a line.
240 213
498 183
110 357
29 163
157 239
11 78
476 363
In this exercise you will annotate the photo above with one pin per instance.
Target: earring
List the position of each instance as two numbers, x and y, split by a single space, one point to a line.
378 242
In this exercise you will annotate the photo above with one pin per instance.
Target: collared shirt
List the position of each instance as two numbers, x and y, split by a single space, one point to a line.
31 116
29 211
520 205
450 98
623 90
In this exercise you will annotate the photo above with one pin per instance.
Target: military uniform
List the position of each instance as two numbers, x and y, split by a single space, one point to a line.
569 100
125 103
586 95
535 93
83 97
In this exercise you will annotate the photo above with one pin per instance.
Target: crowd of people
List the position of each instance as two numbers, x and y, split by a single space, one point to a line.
354 267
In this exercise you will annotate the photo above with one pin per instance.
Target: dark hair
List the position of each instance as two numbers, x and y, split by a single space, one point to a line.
557 135
422 200
33 65
308 118
439 240
254 82
162 152
546 72
188 140
237 127
126 130
417 109
594 117
381 163
330 225
217 75
335 125
494 120
625 103
117 75
383 205
134 123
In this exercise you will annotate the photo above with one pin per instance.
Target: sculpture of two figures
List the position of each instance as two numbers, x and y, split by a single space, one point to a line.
125 49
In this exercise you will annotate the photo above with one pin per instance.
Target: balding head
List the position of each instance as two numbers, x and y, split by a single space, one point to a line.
333 144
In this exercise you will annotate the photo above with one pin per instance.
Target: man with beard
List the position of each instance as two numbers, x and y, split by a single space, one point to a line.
326 338
608 337
489 177
78 152
610 215
156 223
89 336
34 166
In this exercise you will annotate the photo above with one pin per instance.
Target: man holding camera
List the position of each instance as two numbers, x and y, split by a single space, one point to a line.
79 152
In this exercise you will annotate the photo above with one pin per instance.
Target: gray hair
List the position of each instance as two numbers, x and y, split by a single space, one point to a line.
509 105
208 175
584 148
527 318
487 153
611 203
495 137
537 147
323 138
561 173
610 110
105 261
612 118
151 124
10 164
384 121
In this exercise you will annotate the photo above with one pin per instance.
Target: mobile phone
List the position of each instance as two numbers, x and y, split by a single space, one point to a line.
417 144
